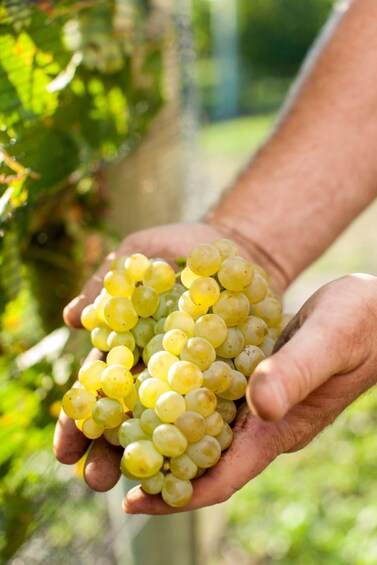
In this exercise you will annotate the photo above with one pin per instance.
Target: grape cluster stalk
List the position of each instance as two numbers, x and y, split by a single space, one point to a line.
199 340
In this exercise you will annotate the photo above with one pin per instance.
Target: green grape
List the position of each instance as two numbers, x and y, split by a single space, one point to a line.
131 398
154 484
218 377
257 290
212 328
120 355
188 277
160 363
200 473
99 337
180 321
150 390
159 326
204 260
159 276
166 301
91 429
204 291
254 330
233 344
144 331
176 492
141 459
120 314
170 406
145 301
111 434
233 307
152 347
173 341
77 403
169 440
237 389
100 303
227 409
143 376
226 248
184 376
149 420
236 274
136 265
138 409
201 400
89 318
121 338
90 374
119 283
117 264
177 290
269 309
116 381
199 351
268 346
214 424
192 425
185 304
108 411
248 359
274 333
206 452
183 467
136 354
225 437
130 431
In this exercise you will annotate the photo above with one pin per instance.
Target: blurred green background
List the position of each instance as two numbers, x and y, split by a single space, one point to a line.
116 115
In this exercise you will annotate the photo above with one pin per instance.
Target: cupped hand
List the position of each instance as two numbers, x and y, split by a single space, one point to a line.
325 358
170 242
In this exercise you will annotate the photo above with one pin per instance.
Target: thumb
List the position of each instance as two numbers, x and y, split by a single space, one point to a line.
308 359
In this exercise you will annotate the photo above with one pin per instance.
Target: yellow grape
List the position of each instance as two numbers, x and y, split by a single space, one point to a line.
236 273
90 374
204 260
118 283
204 292
119 314
120 355
184 376
212 328
159 276
89 317
136 265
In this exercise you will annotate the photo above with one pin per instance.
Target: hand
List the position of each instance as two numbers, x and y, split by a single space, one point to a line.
170 242
325 358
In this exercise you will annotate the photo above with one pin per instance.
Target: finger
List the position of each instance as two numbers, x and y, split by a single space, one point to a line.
254 440
69 443
313 355
102 466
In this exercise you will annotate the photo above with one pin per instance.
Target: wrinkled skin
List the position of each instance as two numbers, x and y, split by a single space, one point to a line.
325 358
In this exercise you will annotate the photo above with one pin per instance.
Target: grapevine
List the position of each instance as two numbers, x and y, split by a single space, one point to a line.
198 341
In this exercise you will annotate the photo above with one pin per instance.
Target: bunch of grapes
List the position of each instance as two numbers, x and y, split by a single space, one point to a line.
199 342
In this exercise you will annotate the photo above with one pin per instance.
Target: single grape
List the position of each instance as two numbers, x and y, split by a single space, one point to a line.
99 337
199 351
121 338
159 276
192 425
170 406
160 363
154 484
141 459
236 273
77 403
136 265
143 332
204 292
258 288
206 452
214 424
225 437
212 328
274 333
111 434
116 381
119 283
100 303
149 420
159 326
150 390
176 492
188 277
248 359
183 467
169 440
89 318
130 431
268 346
108 411
232 345
237 389
145 301
269 309
117 264
173 341
120 355
233 307
180 321
90 374
218 377
204 260
152 347
185 304
201 400
227 409
184 376
226 247
254 330
120 314
91 429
